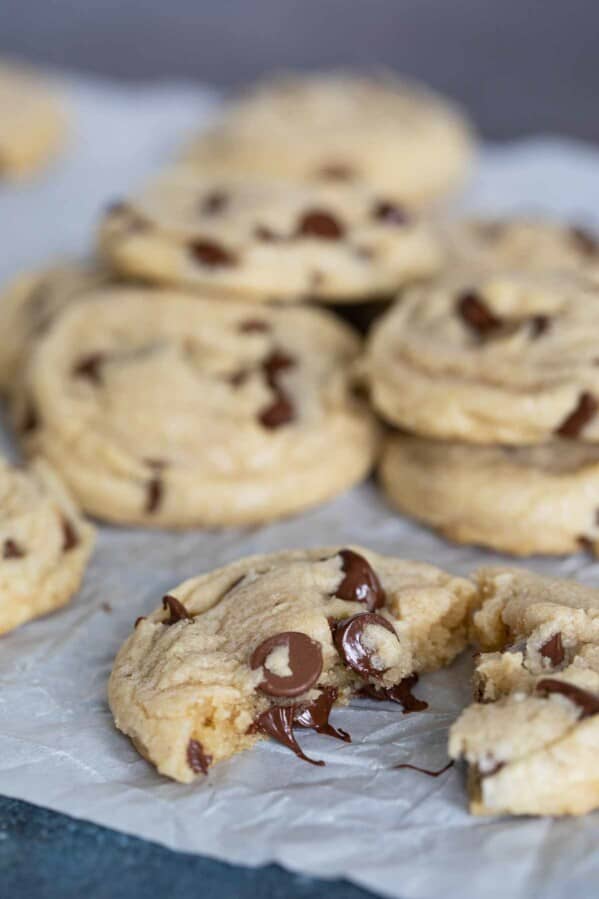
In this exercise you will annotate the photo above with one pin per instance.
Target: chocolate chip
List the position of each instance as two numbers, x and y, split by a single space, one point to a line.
177 610
12 550
154 491
320 223
572 426
276 362
584 241
279 413
70 537
30 420
90 367
400 693
212 254
426 771
539 324
553 650
254 326
214 202
476 314
349 641
587 702
277 722
360 583
390 213
197 759
304 660
336 171
315 715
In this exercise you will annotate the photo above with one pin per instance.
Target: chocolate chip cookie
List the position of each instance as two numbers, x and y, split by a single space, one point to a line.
270 644
44 544
404 140
263 240
521 500
32 122
500 358
163 409
531 738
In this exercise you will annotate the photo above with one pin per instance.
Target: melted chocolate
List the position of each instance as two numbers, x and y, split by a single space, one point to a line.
177 610
12 550
574 423
280 412
476 314
348 639
321 224
316 715
587 702
426 771
305 663
360 583
553 650
277 722
400 693
197 759
212 254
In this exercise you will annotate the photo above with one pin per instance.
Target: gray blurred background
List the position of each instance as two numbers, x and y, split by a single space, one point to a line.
520 66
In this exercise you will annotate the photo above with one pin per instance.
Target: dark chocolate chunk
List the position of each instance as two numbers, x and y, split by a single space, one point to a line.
360 583
574 423
400 693
70 537
426 770
349 641
90 367
154 490
321 224
197 759
316 715
587 702
476 314
254 326
12 550
276 362
212 254
279 413
390 213
214 202
177 611
305 663
553 650
277 722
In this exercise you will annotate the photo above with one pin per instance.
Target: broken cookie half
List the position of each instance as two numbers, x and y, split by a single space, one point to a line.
269 644
531 738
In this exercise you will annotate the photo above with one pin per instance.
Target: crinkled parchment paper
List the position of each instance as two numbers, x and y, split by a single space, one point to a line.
395 831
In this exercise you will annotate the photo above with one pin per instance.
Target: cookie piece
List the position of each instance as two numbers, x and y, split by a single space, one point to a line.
44 544
29 305
522 244
406 141
271 643
531 740
502 358
521 500
264 240
168 410
32 122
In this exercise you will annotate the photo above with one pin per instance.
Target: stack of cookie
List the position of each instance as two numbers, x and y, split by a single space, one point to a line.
491 378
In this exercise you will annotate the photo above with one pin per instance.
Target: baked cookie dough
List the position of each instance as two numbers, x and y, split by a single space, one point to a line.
271 643
264 240
506 358
32 123
403 139
30 303
521 244
168 410
531 739
521 500
44 544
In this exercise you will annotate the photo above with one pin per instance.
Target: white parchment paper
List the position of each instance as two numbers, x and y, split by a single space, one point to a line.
397 832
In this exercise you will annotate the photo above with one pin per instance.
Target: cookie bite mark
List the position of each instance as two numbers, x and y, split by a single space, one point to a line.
291 664
176 610
476 314
390 213
315 715
90 368
320 224
214 202
360 583
12 550
277 722
587 702
70 537
197 759
212 254
368 644
574 423
401 693
553 650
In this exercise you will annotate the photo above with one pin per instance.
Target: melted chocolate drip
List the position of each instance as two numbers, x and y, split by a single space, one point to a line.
587 702
197 759
316 715
426 771
177 610
400 693
277 722
360 583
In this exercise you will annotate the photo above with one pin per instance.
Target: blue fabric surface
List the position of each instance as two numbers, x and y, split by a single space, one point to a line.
44 855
